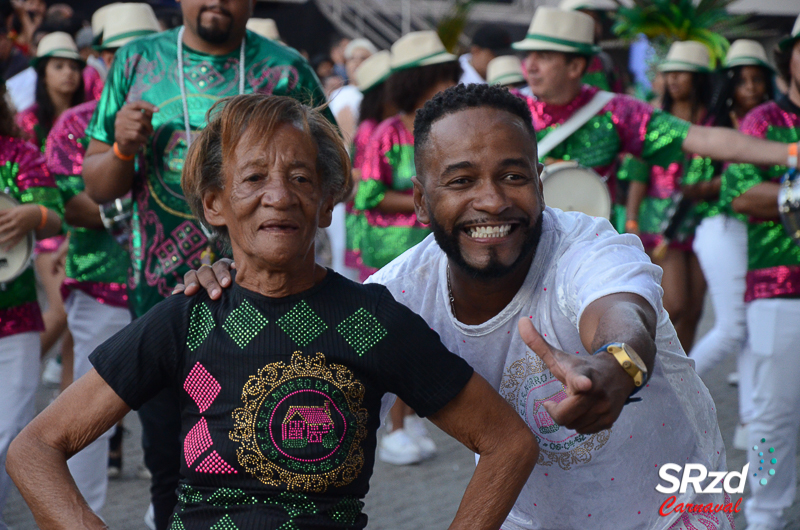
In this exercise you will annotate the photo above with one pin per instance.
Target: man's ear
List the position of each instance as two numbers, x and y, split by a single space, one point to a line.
212 207
420 203
326 213
577 66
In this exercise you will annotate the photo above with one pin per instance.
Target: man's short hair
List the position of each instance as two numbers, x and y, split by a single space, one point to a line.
462 97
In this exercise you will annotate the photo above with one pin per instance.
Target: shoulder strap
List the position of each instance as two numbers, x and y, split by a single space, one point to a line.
575 122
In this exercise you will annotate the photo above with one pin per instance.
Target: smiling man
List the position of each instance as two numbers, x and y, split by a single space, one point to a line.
602 381
156 95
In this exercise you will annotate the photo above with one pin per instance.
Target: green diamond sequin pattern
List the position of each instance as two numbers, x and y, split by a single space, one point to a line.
176 524
200 325
362 331
302 324
226 523
244 323
230 497
346 511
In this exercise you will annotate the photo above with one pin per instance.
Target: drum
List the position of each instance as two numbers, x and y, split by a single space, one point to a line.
14 262
571 187
789 204
116 216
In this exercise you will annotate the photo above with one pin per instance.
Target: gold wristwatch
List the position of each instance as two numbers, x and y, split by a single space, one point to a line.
630 362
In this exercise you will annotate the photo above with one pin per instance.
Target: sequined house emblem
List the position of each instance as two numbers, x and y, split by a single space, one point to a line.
527 385
302 425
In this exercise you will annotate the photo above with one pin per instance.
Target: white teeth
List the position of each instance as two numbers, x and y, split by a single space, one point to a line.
489 231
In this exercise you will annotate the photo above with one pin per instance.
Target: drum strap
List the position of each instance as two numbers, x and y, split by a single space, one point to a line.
575 122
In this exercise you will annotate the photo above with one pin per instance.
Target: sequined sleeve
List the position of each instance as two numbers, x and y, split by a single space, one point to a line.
633 169
36 184
113 98
376 172
663 141
66 146
27 121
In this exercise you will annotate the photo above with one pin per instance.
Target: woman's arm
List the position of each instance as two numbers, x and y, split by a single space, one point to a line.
760 201
37 458
396 202
81 211
482 420
636 193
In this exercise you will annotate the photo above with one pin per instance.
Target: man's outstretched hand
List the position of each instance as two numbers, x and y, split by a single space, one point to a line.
212 278
597 386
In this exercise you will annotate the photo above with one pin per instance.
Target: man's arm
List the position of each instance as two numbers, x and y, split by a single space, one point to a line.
81 211
484 422
106 175
728 145
37 458
760 201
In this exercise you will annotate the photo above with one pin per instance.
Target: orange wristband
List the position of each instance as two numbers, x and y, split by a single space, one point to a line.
43 222
118 154
631 224
792 160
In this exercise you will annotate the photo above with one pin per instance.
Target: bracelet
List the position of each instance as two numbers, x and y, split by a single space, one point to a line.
43 222
631 224
791 161
118 154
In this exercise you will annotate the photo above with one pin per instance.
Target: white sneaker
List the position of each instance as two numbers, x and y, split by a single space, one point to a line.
733 378
150 518
51 374
415 427
740 437
399 449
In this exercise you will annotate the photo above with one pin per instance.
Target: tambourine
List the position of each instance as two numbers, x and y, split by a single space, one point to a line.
571 187
15 261
116 216
789 204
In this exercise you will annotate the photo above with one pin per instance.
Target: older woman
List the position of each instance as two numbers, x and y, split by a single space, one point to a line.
280 379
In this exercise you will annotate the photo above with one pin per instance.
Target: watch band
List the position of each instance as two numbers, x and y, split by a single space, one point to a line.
645 374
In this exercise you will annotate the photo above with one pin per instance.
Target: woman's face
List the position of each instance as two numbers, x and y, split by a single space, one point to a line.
751 89
273 201
62 76
679 85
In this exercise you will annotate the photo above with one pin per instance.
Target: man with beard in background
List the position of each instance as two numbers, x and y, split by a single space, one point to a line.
156 95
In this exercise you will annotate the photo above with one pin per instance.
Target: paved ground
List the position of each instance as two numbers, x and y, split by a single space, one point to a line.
402 498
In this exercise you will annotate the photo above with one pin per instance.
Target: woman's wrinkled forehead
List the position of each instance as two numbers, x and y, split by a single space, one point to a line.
258 134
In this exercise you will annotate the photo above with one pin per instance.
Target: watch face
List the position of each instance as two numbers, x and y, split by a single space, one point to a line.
635 358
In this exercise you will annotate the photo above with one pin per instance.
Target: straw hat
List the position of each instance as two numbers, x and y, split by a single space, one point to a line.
127 22
99 21
355 44
587 5
560 31
686 56
747 52
504 70
57 44
793 36
373 70
419 48
266 27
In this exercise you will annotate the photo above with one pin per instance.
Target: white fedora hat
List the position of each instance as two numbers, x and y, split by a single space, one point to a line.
504 70
99 21
560 31
686 56
793 36
373 70
588 5
57 44
127 22
266 27
355 44
745 52
419 48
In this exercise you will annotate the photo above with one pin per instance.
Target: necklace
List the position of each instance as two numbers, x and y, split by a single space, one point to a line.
207 256
182 82
450 293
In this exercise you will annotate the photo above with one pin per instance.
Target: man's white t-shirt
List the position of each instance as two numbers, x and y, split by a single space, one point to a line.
605 480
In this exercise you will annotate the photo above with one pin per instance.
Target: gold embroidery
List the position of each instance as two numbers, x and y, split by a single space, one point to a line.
262 461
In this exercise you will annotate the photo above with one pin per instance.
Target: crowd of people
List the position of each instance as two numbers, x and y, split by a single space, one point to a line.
363 240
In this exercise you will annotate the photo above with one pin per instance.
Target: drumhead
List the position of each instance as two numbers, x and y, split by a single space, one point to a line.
14 262
571 187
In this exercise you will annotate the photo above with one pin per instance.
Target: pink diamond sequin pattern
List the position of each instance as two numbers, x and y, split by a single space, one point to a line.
203 388
197 441
214 463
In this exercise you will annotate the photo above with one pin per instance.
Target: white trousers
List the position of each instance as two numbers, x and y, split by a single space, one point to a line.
91 323
720 244
774 340
19 379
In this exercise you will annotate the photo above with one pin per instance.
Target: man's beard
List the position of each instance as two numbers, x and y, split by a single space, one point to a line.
448 242
214 34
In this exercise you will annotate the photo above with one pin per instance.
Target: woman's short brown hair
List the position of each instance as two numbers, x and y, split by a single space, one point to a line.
231 118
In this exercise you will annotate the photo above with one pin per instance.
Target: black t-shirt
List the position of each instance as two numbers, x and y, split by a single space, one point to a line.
280 397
